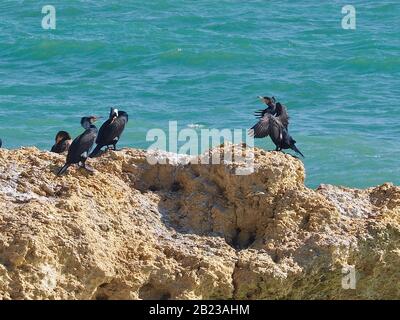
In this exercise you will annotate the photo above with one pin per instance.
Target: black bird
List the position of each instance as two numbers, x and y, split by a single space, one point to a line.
1 143
111 130
79 150
277 128
62 142
270 102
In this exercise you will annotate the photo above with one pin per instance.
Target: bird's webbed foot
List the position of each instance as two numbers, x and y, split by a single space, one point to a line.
82 163
88 168
85 166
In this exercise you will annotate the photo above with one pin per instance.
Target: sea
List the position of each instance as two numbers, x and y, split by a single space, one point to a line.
203 64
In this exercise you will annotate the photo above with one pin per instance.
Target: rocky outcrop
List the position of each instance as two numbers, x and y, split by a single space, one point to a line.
181 230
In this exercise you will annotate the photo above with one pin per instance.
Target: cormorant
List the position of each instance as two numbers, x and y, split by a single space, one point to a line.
270 102
277 128
111 130
1 143
63 141
79 150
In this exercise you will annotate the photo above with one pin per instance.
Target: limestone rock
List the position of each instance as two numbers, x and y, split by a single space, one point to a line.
187 230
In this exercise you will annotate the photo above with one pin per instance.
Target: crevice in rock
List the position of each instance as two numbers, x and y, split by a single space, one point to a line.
234 283
275 256
176 186
305 221
101 292
154 188
151 292
113 290
242 239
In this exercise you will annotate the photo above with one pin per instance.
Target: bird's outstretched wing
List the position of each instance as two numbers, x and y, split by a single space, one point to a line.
261 128
262 113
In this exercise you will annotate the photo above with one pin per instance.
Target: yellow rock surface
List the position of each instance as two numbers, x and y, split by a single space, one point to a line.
132 230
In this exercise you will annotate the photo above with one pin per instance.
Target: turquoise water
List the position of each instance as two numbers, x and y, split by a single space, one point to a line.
204 62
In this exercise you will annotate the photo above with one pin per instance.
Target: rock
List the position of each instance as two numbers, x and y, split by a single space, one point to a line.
186 230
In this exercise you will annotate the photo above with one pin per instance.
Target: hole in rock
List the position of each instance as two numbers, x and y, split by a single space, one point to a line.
101 292
305 222
150 292
154 188
176 186
242 239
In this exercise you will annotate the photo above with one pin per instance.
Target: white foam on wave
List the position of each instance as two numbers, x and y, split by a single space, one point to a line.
195 125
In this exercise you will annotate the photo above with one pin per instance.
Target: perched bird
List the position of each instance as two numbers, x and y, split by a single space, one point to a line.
62 142
270 102
79 150
1 143
277 128
111 130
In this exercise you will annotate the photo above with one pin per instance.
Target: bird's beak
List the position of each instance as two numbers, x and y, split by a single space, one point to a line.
263 99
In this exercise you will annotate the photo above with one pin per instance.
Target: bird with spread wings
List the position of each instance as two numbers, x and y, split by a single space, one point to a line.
276 126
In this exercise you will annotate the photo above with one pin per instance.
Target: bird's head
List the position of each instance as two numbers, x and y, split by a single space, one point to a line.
86 122
93 119
62 136
113 113
268 100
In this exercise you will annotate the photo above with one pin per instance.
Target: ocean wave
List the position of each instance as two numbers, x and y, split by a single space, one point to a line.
195 125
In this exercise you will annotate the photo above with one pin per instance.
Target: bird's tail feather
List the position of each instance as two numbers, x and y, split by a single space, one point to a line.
95 151
63 169
297 150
